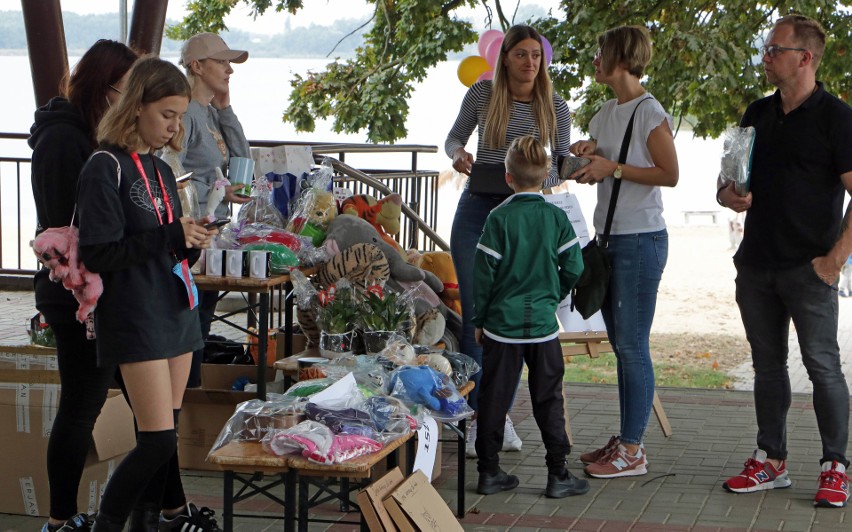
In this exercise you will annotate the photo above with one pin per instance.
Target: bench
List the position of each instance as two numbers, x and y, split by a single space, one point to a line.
688 214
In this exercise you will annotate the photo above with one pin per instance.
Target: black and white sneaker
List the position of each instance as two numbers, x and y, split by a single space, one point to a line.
79 522
194 520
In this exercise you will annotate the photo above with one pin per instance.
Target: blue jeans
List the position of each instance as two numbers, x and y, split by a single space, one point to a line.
468 223
638 261
768 300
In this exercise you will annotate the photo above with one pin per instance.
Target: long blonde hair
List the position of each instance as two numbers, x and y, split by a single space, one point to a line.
151 79
500 106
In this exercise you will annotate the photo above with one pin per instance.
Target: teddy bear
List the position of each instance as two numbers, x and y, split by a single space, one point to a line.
383 214
57 249
317 208
441 264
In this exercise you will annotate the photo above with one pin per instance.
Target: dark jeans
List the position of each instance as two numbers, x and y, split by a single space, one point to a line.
502 363
468 223
83 392
768 300
628 311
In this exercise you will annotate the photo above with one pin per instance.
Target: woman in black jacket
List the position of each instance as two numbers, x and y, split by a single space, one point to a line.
62 138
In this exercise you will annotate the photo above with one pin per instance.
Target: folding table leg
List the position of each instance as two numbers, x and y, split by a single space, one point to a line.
303 504
461 467
228 501
290 501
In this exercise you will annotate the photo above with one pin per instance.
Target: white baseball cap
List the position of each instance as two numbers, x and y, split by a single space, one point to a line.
209 46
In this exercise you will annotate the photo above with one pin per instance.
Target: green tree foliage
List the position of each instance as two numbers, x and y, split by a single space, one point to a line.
705 72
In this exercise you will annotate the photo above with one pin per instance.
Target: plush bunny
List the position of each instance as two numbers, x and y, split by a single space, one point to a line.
216 194
57 249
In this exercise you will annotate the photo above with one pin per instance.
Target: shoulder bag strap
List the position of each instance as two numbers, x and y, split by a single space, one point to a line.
616 187
118 178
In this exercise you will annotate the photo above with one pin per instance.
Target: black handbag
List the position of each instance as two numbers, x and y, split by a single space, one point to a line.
589 293
489 179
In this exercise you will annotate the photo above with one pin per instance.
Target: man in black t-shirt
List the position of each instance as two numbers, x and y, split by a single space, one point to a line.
795 242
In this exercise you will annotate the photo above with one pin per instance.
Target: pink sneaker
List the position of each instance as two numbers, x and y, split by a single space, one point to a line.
758 475
619 463
593 456
833 489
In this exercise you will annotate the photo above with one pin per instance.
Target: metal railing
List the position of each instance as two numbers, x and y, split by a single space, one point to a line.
418 189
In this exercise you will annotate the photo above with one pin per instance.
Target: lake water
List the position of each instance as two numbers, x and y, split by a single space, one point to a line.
260 90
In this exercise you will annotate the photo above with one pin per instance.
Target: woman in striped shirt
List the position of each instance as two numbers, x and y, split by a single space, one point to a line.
519 101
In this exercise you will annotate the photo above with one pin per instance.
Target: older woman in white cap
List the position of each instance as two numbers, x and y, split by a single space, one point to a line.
213 132
213 136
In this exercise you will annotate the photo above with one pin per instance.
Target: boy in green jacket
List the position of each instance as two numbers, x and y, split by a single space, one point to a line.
527 261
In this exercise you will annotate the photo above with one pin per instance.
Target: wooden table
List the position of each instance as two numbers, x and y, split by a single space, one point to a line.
262 288
247 462
237 459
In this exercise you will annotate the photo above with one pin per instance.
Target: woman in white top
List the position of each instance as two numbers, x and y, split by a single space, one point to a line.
638 241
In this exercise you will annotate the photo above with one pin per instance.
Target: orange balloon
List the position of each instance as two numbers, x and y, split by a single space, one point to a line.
471 68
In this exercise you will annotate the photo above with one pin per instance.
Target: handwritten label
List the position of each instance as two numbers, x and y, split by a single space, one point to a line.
427 446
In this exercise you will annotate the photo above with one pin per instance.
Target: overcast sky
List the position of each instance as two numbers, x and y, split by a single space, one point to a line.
315 11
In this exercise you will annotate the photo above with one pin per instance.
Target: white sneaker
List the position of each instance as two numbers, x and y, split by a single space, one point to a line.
511 440
470 440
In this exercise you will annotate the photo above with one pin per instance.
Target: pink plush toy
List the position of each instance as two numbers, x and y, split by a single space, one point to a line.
57 248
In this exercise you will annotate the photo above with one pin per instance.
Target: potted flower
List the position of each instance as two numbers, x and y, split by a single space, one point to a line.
337 315
383 314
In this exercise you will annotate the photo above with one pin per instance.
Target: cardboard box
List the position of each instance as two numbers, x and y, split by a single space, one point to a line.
28 404
371 501
416 506
300 343
206 410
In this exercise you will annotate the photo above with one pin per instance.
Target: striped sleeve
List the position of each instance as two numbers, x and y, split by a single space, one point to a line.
468 117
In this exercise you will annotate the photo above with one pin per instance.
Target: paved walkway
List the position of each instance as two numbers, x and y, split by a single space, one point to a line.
713 434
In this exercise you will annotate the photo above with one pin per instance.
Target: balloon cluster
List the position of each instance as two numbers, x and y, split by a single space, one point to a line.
480 67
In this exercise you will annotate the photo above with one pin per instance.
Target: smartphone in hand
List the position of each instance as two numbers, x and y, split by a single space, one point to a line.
217 223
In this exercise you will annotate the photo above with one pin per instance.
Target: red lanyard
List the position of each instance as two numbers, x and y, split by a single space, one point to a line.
139 167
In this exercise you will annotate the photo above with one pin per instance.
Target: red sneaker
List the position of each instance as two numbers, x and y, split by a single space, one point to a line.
758 475
833 486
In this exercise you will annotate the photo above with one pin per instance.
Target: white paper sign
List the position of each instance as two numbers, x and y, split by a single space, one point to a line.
427 446
338 395
572 321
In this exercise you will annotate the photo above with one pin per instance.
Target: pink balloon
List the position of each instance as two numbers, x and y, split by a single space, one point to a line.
488 74
493 52
547 49
487 38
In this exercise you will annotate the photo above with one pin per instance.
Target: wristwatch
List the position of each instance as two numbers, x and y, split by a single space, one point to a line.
617 173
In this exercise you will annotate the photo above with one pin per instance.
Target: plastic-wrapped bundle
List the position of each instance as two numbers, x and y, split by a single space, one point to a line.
736 157
424 387
318 443
254 419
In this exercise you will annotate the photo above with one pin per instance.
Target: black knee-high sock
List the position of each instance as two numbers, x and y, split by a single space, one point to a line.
173 495
152 451
165 489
